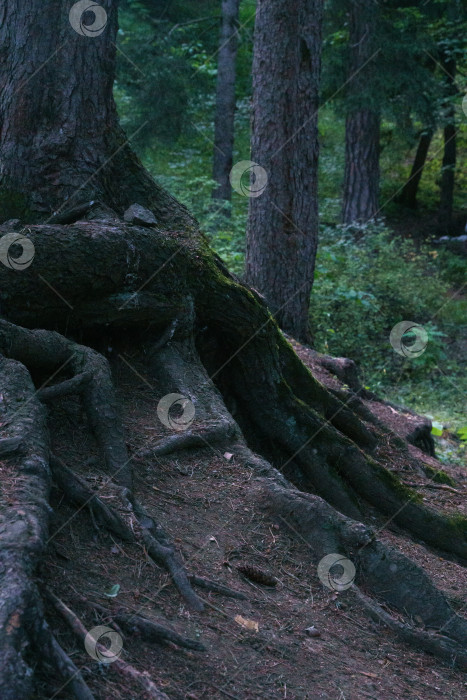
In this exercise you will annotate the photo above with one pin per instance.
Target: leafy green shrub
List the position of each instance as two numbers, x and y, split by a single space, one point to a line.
452 268
367 281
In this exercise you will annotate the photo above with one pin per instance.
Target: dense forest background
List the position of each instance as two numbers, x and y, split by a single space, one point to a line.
368 276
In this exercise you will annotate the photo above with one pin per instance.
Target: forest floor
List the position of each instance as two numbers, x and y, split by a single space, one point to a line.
212 508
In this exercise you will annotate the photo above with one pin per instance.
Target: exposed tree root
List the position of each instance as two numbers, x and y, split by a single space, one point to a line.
435 644
9 445
215 435
23 528
146 629
326 443
70 386
343 368
70 674
384 572
52 352
346 371
130 522
77 490
215 587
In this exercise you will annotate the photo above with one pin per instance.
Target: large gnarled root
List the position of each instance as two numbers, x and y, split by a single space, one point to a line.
335 453
52 352
385 573
24 515
284 405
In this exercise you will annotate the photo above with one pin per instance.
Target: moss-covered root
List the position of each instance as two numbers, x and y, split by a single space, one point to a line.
401 504
335 467
52 352
381 571
382 489
335 451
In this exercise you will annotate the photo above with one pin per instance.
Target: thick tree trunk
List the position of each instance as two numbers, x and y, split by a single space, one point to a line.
361 175
225 100
408 196
449 154
283 220
60 141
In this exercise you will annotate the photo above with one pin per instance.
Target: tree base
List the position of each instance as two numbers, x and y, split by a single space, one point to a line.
213 342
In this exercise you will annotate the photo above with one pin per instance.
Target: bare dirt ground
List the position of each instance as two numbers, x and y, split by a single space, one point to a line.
217 516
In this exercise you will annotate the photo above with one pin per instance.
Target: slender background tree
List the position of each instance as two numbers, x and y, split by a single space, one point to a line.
225 100
450 49
408 196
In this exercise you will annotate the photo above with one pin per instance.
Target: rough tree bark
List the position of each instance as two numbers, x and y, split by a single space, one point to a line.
225 100
283 221
408 196
60 139
361 174
207 337
450 147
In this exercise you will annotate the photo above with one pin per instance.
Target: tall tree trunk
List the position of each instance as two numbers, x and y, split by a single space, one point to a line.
450 147
225 100
283 221
408 196
60 141
361 176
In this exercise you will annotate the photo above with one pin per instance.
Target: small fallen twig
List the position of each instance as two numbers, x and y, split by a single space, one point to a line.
216 587
125 669
147 629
